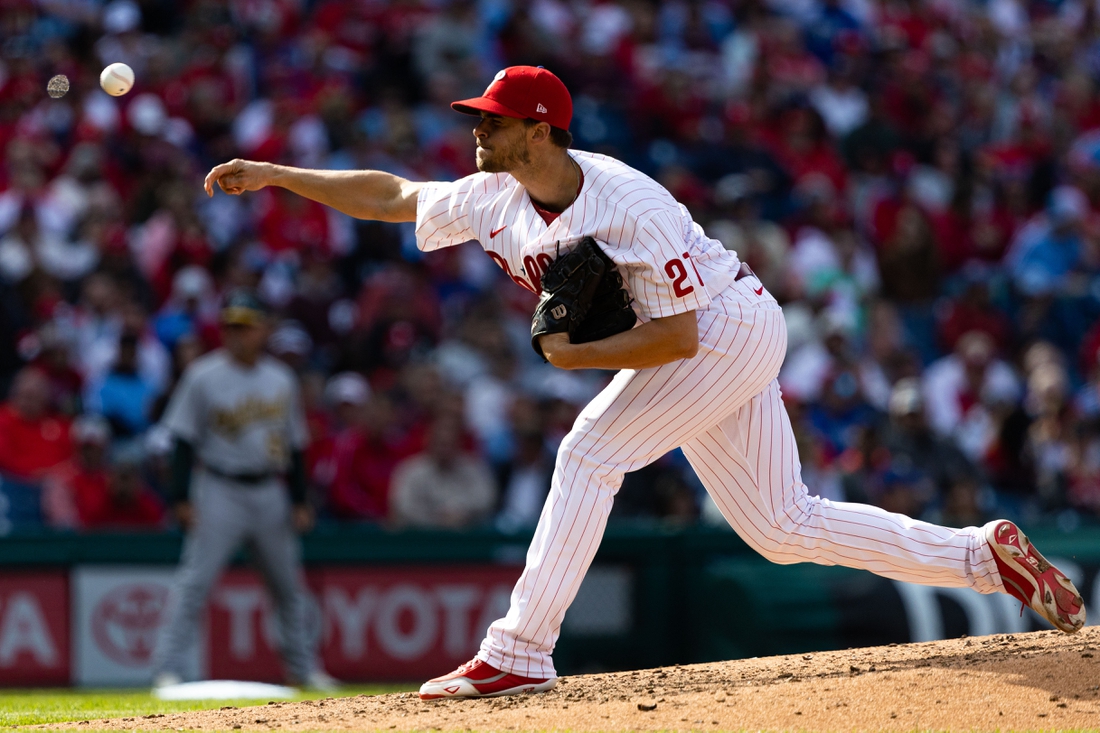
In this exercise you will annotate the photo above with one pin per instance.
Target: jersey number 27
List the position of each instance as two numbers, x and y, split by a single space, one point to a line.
675 269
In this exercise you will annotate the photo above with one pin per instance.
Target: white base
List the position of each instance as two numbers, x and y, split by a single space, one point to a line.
223 690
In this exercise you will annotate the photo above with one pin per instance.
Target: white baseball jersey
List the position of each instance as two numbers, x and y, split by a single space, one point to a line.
723 407
668 264
240 419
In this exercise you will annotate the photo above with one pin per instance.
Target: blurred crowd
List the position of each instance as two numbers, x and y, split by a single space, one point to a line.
916 181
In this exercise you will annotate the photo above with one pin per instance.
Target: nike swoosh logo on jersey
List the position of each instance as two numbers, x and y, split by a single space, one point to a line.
759 290
497 231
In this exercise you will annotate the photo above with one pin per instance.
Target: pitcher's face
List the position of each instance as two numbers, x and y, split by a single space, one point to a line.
501 144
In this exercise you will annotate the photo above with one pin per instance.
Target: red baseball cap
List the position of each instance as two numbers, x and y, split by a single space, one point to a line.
523 91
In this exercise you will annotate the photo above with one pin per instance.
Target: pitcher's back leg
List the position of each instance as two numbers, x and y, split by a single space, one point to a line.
749 465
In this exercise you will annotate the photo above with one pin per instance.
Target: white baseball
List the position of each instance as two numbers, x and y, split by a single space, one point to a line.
116 79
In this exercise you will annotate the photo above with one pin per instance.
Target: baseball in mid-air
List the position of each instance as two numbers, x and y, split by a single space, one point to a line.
116 79
57 86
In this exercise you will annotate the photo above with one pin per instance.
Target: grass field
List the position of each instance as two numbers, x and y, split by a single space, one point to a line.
29 707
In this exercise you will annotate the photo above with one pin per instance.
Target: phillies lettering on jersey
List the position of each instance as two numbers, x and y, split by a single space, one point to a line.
668 264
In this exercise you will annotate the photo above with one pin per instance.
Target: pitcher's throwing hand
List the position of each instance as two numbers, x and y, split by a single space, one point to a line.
236 177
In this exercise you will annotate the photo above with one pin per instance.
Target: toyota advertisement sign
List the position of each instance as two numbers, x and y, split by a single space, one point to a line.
117 612
408 623
369 623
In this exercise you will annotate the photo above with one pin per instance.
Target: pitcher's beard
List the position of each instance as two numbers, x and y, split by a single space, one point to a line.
504 161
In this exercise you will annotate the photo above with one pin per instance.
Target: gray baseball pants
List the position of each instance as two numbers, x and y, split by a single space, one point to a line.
227 515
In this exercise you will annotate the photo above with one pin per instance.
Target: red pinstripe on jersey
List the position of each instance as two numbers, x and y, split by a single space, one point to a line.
723 407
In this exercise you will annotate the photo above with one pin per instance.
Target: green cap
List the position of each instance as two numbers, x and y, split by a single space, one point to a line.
243 308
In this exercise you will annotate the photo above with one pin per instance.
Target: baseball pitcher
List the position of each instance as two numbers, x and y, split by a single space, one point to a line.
699 372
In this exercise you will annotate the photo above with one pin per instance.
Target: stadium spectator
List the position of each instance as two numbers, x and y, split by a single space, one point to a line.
290 343
661 491
488 400
526 482
22 247
124 396
33 439
152 361
960 387
1083 468
903 488
84 473
124 500
1049 249
50 352
190 310
1050 435
366 456
840 102
314 303
1086 402
909 439
100 487
973 310
762 244
810 366
840 410
444 487
1031 430
339 413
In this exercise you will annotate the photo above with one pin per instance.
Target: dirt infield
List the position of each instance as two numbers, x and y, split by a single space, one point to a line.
1044 680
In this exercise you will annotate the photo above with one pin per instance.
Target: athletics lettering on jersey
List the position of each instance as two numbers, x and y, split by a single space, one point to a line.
668 264
234 418
240 419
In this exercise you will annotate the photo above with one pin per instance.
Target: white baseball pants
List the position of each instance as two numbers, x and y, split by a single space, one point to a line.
724 409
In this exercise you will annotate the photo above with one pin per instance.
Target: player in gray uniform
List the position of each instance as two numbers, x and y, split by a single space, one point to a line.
239 413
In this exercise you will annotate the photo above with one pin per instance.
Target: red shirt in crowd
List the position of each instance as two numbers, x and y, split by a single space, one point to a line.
97 508
30 447
962 317
292 223
364 466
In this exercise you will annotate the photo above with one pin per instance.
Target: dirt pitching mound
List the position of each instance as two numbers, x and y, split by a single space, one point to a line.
1043 680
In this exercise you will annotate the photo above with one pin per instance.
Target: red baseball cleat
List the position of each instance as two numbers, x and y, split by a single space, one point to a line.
477 679
1028 577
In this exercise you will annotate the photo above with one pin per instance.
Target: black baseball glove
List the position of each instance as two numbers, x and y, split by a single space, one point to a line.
582 295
